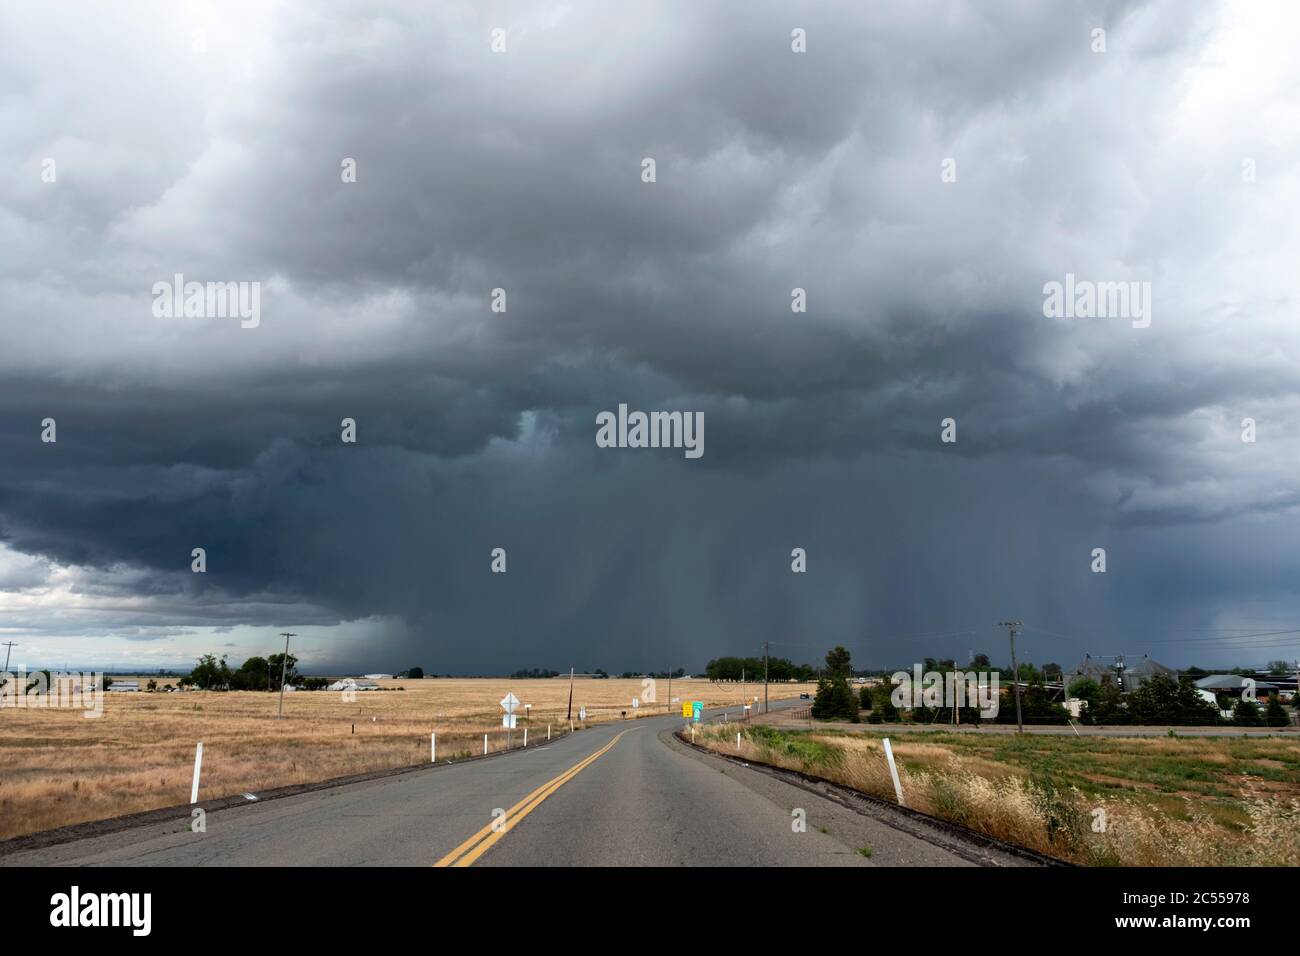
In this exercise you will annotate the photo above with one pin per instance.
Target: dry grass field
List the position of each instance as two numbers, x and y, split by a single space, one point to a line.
58 767
1129 801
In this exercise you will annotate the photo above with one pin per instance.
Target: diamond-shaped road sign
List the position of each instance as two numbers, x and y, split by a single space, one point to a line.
509 703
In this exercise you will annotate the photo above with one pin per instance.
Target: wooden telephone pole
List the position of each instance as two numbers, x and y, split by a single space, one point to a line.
1011 627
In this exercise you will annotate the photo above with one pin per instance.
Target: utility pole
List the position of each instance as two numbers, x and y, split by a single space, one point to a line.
284 667
765 643
570 715
1015 668
9 646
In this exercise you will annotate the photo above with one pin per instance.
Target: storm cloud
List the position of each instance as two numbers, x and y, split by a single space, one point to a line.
209 142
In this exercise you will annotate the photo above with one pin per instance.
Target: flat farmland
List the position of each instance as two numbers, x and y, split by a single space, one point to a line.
58 767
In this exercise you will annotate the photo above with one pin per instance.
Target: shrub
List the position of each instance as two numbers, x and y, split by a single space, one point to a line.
1246 714
1275 714
834 700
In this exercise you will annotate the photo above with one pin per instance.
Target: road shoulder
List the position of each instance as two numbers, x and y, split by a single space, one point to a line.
860 820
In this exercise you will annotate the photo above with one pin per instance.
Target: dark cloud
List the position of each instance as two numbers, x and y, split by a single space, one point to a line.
522 171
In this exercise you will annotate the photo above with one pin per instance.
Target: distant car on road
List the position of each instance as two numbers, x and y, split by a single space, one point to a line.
805 696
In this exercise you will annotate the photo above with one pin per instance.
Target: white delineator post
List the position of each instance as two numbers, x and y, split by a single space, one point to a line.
737 739
525 736
548 731
198 765
893 772
485 745
433 748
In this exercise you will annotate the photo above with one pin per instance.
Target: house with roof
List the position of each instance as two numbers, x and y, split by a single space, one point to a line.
1233 684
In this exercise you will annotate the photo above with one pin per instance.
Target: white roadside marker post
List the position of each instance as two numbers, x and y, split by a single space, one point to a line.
737 739
525 736
485 745
433 748
548 731
198 765
893 772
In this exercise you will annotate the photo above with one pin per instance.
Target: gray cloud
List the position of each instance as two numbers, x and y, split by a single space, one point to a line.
521 171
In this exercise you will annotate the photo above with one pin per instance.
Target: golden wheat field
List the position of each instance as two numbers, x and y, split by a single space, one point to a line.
58 767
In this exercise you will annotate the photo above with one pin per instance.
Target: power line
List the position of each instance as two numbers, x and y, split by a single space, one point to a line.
1228 637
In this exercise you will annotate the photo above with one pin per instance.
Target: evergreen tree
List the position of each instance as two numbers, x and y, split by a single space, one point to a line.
1275 714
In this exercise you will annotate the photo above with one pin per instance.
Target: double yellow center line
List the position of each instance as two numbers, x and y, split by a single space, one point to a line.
486 838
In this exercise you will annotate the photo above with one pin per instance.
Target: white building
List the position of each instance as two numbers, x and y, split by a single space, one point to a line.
379 677
353 683
124 686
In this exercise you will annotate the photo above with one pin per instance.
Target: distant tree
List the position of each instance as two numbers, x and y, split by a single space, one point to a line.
415 673
210 673
1162 700
834 700
152 685
1109 707
1278 668
883 709
980 662
275 663
252 675
838 663
751 669
1275 714
1030 675
1085 688
1246 714
864 698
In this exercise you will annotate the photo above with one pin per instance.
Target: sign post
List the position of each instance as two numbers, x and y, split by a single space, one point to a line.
509 704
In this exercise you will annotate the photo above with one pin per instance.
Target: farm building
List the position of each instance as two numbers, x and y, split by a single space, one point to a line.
1144 670
1090 667
353 683
1234 684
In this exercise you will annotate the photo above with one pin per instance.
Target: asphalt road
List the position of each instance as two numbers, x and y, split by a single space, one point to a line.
621 794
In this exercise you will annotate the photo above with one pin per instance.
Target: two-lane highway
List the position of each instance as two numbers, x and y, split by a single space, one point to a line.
621 794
